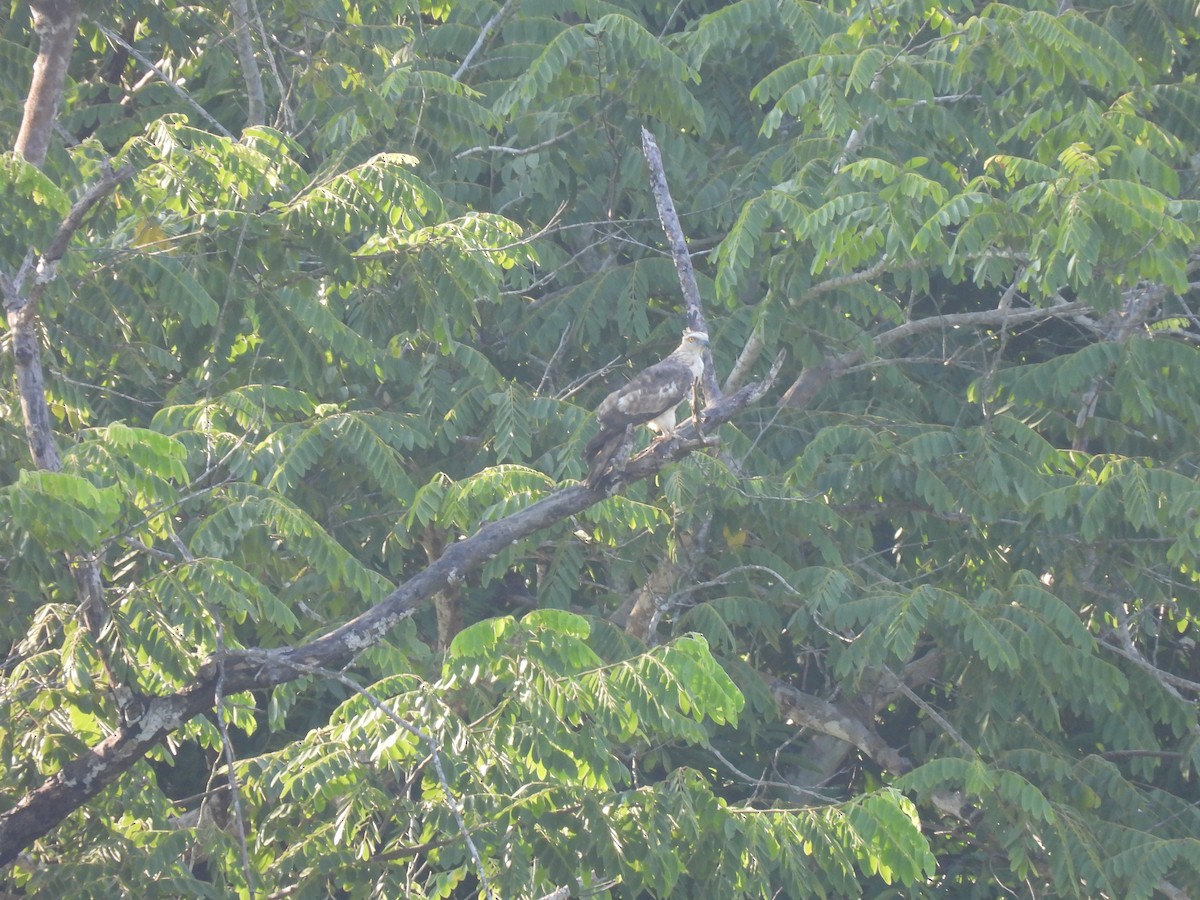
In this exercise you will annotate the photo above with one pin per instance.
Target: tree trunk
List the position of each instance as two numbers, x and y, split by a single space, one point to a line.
55 22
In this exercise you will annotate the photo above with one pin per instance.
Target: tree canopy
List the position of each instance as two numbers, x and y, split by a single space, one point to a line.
308 304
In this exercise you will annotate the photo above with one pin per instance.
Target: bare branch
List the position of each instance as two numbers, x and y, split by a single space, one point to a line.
1124 646
39 811
145 61
746 359
937 717
679 252
534 148
484 33
285 115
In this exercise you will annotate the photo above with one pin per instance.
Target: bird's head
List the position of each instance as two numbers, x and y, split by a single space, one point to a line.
694 341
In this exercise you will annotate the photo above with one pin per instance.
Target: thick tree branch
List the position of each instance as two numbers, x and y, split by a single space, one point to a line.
655 596
38 812
746 359
55 22
829 718
23 304
839 727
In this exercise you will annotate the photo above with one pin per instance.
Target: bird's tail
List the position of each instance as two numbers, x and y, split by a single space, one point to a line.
603 449
596 444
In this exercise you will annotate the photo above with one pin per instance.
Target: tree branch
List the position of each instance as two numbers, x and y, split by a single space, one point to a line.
21 308
746 359
484 33
24 305
654 597
55 22
805 388
162 76
256 101
828 718
679 252
39 811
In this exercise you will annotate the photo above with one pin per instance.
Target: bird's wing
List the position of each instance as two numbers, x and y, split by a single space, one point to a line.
651 393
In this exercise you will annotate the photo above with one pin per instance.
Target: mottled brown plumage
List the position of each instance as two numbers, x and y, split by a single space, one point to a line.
650 399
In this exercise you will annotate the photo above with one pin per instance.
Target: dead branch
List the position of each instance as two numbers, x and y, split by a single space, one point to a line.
40 811
679 252
484 34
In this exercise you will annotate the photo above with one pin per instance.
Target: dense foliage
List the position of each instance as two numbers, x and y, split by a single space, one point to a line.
923 624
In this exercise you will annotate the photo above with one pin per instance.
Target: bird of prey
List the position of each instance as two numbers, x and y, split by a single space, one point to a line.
649 399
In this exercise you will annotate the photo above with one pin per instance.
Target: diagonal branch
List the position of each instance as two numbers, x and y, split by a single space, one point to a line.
40 811
484 34
24 305
162 76
21 308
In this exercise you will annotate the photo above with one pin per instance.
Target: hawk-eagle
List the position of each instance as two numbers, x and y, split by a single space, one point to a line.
649 399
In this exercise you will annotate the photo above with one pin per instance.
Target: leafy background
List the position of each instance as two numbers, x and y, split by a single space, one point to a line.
922 625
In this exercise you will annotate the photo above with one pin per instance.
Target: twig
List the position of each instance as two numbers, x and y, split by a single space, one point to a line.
562 342
285 111
534 148
762 782
580 383
145 61
483 36
805 387
937 717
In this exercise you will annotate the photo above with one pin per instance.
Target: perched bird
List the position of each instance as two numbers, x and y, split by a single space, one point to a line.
650 399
